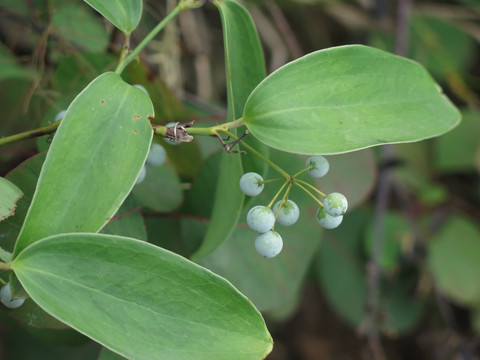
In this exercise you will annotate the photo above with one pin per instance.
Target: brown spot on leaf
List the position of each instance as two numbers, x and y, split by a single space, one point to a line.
102 102
136 117
135 132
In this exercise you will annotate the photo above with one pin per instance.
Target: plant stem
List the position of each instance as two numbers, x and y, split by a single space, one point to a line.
310 186
45 130
303 170
5 266
283 201
256 153
124 62
277 194
159 130
310 194
205 131
270 181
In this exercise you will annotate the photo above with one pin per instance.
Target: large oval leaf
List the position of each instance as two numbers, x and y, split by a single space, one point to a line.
124 14
95 157
347 98
245 68
139 300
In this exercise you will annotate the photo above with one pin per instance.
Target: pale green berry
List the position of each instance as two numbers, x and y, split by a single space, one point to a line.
260 219
269 244
169 140
328 221
141 176
141 87
250 184
157 155
320 166
60 115
6 298
335 204
288 213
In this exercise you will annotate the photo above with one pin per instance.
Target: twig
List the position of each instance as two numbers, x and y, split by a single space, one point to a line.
45 130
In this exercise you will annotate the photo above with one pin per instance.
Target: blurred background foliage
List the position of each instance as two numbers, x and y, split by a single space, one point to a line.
400 279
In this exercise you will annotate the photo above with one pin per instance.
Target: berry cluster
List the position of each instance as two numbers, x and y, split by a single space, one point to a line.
285 212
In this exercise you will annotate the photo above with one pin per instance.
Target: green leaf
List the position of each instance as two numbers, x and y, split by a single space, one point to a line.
107 354
161 190
347 98
139 300
128 221
453 259
124 14
79 25
32 315
166 232
9 195
245 68
104 136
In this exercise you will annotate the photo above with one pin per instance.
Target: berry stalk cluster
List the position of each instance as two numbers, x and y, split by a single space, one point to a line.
285 212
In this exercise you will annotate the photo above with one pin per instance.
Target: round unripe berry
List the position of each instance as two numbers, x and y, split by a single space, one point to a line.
260 218
288 213
169 140
250 184
335 204
326 220
141 176
269 244
320 166
6 298
141 87
60 115
157 155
